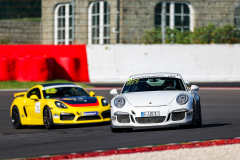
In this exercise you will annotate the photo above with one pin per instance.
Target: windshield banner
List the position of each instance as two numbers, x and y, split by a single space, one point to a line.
60 86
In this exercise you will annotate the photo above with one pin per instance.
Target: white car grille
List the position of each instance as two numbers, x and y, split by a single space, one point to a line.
157 119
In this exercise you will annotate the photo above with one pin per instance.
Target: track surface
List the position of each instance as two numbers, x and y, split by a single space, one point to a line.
221 120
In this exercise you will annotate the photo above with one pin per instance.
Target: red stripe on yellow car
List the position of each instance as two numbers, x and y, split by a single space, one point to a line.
83 105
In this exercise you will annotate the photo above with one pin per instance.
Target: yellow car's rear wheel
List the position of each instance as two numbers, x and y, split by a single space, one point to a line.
47 118
16 121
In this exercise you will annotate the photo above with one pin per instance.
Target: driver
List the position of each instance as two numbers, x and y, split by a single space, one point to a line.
169 85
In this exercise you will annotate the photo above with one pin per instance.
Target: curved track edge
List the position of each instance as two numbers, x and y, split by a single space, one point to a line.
172 146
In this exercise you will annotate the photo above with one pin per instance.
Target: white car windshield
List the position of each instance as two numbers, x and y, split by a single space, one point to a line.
153 84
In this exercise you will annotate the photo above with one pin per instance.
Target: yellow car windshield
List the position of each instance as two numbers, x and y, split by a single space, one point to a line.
64 92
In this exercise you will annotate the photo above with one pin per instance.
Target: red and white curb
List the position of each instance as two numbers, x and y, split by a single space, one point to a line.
172 146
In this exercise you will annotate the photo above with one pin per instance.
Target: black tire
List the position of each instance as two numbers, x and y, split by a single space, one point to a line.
16 120
193 125
47 118
194 121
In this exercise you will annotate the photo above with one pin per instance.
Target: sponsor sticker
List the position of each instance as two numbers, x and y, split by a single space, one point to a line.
56 116
153 76
90 113
37 107
51 91
132 82
60 86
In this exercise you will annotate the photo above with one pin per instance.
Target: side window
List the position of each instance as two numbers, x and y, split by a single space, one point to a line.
177 15
99 23
237 16
34 91
63 24
30 93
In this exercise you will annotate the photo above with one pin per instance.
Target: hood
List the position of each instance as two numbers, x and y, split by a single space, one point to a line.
79 101
153 98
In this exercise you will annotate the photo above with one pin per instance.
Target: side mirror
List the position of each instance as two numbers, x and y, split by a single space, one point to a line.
92 94
187 82
194 88
114 92
34 97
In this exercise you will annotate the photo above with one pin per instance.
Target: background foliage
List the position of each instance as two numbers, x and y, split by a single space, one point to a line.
201 35
5 40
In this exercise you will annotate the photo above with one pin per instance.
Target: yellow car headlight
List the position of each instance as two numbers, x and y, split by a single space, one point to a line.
104 102
60 105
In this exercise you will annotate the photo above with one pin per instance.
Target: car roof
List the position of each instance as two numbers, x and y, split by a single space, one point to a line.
56 84
163 74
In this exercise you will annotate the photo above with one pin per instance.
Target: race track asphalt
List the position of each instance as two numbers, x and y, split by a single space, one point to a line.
220 112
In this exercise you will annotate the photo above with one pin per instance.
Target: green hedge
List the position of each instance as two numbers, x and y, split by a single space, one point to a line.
5 40
201 35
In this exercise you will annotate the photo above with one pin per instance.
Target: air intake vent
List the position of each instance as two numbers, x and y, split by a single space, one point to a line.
157 119
177 116
67 117
123 118
86 118
106 114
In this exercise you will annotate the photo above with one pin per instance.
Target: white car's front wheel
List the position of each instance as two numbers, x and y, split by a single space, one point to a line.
194 122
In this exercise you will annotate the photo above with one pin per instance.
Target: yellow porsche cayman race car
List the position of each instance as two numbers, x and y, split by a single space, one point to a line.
59 103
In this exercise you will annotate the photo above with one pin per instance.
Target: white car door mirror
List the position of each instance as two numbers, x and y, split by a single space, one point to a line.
194 88
187 82
114 92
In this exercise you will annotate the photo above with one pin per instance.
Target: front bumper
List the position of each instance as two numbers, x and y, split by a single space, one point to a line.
129 121
78 117
133 119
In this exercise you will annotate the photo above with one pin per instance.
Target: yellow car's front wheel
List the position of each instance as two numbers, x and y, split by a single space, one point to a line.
16 121
47 118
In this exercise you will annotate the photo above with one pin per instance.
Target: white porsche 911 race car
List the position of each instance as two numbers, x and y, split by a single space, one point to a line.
155 99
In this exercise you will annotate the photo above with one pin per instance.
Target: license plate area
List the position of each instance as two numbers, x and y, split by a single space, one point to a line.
150 114
90 113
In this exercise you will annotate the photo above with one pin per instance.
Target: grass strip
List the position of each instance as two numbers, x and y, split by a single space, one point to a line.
27 85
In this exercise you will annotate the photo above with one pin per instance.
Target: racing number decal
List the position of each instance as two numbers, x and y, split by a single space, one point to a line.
37 107
132 82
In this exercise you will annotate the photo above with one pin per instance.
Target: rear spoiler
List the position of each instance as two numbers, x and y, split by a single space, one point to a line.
20 94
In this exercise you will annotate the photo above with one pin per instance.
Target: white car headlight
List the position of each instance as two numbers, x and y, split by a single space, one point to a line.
182 99
119 102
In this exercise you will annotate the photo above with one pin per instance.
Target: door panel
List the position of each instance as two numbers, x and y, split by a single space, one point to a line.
34 107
